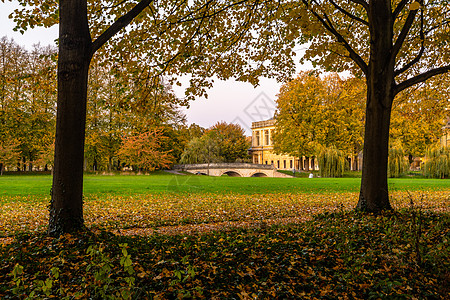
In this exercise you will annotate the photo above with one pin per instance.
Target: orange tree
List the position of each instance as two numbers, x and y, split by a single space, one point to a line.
143 151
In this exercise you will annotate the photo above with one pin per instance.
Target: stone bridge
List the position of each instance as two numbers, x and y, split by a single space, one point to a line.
231 169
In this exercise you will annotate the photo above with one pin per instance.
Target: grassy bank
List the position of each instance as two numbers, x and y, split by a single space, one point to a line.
166 237
163 182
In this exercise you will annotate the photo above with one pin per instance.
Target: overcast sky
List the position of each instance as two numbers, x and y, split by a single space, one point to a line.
228 101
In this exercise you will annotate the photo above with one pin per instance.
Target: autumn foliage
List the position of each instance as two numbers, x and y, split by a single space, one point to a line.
316 113
9 154
143 151
222 142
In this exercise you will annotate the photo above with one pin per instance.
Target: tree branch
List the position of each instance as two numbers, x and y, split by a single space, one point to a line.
348 14
328 25
363 3
399 8
421 78
412 62
419 55
119 24
405 30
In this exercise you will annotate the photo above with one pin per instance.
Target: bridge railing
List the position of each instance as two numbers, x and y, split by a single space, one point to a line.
223 166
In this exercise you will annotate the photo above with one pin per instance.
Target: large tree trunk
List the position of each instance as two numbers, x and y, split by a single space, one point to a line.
374 195
66 207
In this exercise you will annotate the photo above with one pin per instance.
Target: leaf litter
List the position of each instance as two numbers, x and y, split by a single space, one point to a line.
210 246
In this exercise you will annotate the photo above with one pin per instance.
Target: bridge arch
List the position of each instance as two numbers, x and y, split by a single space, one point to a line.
231 174
259 174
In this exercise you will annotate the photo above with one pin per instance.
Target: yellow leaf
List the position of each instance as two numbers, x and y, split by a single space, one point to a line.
414 6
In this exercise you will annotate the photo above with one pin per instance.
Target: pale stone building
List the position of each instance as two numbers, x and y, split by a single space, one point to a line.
262 149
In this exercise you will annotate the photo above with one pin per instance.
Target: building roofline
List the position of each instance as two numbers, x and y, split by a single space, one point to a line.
265 123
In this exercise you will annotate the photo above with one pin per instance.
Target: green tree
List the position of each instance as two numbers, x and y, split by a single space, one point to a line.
397 163
194 131
230 138
437 162
332 162
201 150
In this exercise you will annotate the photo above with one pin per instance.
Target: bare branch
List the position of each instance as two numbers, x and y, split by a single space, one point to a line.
348 14
421 78
119 24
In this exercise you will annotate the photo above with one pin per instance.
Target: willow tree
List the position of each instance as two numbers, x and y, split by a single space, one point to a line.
332 162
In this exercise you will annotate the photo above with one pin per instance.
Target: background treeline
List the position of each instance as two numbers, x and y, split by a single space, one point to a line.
134 119
323 117
27 105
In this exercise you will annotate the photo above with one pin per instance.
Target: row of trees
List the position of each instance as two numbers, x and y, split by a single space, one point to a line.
318 113
128 121
27 104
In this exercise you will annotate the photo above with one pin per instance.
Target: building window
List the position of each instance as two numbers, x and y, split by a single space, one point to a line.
290 164
266 137
266 162
284 164
278 164
271 162
257 138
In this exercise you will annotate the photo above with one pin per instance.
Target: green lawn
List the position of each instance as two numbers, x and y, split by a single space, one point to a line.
172 237
162 183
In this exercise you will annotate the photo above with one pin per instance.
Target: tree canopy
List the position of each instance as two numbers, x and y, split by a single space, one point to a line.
222 142
315 113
